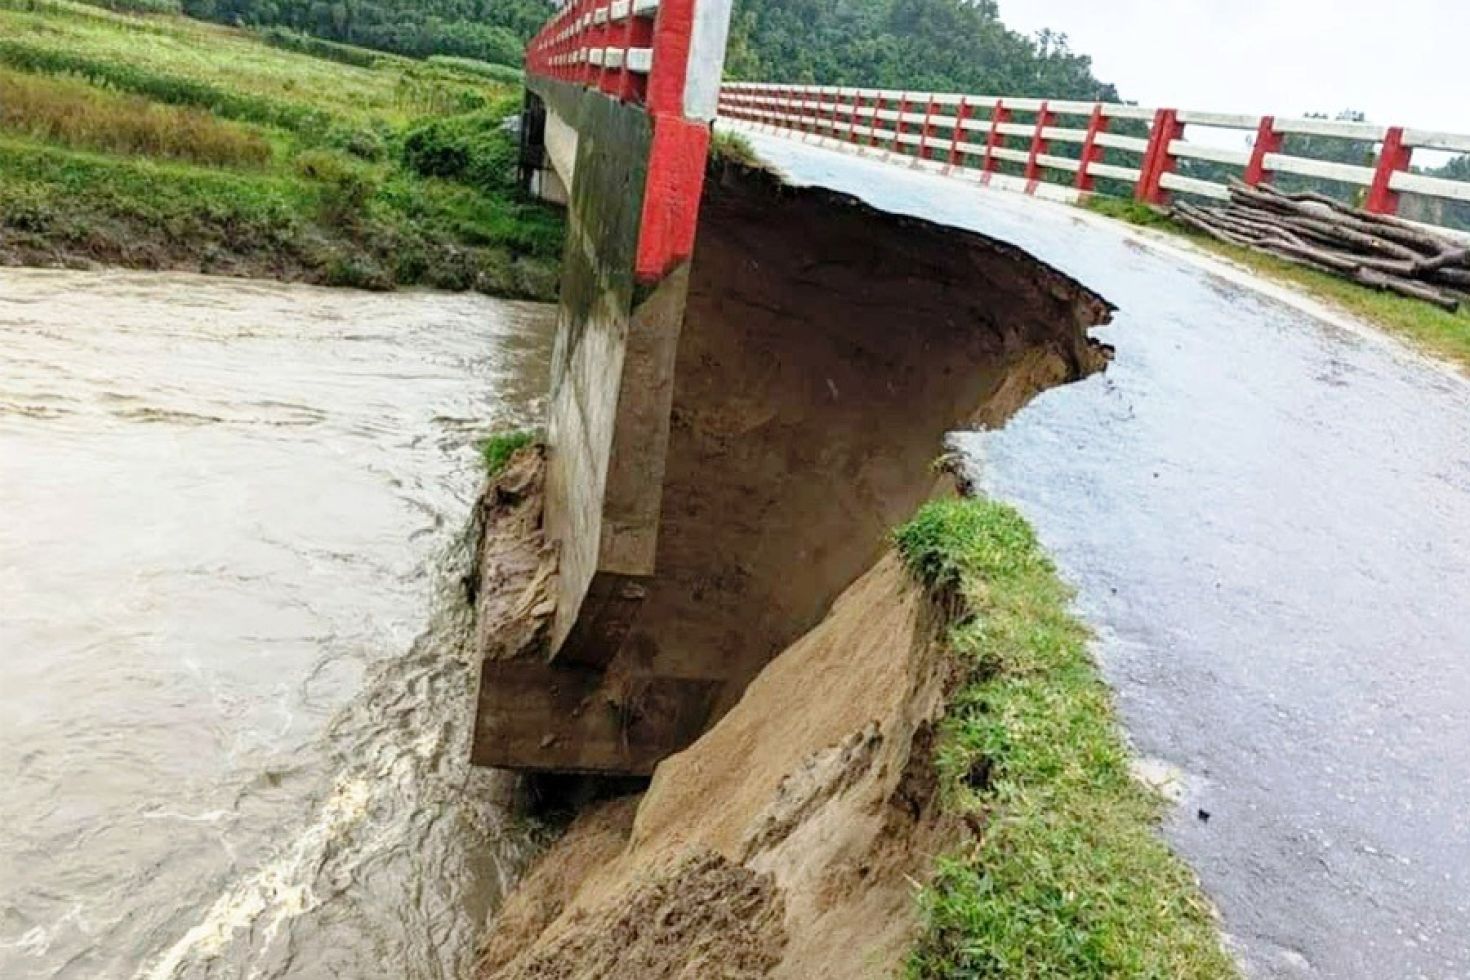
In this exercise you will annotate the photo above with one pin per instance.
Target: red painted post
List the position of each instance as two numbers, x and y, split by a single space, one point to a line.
852 114
1158 160
958 136
1038 147
1092 150
832 116
998 114
898 129
880 104
927 130
1394 158
1267 141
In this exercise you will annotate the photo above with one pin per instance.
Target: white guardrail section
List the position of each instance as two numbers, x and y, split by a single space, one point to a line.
969 135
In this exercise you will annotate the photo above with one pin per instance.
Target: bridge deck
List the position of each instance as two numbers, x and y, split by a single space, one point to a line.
1268 519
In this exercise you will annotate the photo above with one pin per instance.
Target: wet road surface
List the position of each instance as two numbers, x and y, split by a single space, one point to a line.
234 689
1267 519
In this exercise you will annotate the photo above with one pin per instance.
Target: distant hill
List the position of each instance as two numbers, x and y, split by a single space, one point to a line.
922 45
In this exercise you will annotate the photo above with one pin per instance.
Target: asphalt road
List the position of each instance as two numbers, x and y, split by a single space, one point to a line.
1267 518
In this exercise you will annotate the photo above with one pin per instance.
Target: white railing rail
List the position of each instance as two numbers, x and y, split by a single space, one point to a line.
976 133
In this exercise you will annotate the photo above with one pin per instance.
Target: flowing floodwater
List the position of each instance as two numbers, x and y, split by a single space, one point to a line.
234 689
1267 518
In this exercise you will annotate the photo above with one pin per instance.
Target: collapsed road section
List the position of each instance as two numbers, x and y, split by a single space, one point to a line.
826 349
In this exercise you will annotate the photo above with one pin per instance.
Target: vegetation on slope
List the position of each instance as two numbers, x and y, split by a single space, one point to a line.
162 142
497 450
1066 875
1436 331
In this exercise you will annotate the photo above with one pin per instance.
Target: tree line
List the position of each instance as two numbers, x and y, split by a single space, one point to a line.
495 31
923 45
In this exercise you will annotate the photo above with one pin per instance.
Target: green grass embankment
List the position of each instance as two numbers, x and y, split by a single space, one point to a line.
161 142
1443 334
1066 874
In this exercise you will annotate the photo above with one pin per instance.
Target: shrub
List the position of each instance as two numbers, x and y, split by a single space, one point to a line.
497 450
474 148
75 114
346 186
369 141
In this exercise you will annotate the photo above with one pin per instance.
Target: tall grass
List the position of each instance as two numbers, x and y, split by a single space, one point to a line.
161 86
78 115
507 74
139 6
346 54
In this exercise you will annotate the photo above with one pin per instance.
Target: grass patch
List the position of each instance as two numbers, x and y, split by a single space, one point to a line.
497 450
508 74
76 114
725 145
164 143
1436 331
1067 876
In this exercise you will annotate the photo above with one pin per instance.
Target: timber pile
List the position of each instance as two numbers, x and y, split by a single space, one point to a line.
1313 230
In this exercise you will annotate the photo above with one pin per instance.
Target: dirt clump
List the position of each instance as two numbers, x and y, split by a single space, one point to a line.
514 578
703 916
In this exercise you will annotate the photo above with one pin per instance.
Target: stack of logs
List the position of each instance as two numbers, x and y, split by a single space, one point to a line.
1313 230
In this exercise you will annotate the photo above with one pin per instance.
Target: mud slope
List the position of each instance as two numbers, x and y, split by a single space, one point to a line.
783 843
827 348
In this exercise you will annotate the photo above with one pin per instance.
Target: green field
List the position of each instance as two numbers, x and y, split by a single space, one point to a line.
162 142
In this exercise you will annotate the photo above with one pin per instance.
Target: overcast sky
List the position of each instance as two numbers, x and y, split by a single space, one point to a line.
1404 62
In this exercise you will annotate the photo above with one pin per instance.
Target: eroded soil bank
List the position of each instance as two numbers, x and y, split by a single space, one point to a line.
827 349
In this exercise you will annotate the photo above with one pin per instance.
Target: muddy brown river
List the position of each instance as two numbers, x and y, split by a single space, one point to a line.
234 693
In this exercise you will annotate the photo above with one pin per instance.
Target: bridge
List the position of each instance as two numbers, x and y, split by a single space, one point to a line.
1231 501
621 101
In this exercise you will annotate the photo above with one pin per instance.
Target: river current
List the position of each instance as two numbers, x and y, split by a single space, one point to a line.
234 684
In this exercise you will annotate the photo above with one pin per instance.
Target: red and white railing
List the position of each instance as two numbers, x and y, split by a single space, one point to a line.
665 55
973 134
661 58
605 45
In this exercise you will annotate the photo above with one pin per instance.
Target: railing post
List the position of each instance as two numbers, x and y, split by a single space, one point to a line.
1158 160
999 114
1038 147
852 114
958 136
1394 158
1092 150
1267 141
927 130
898 129
880 104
